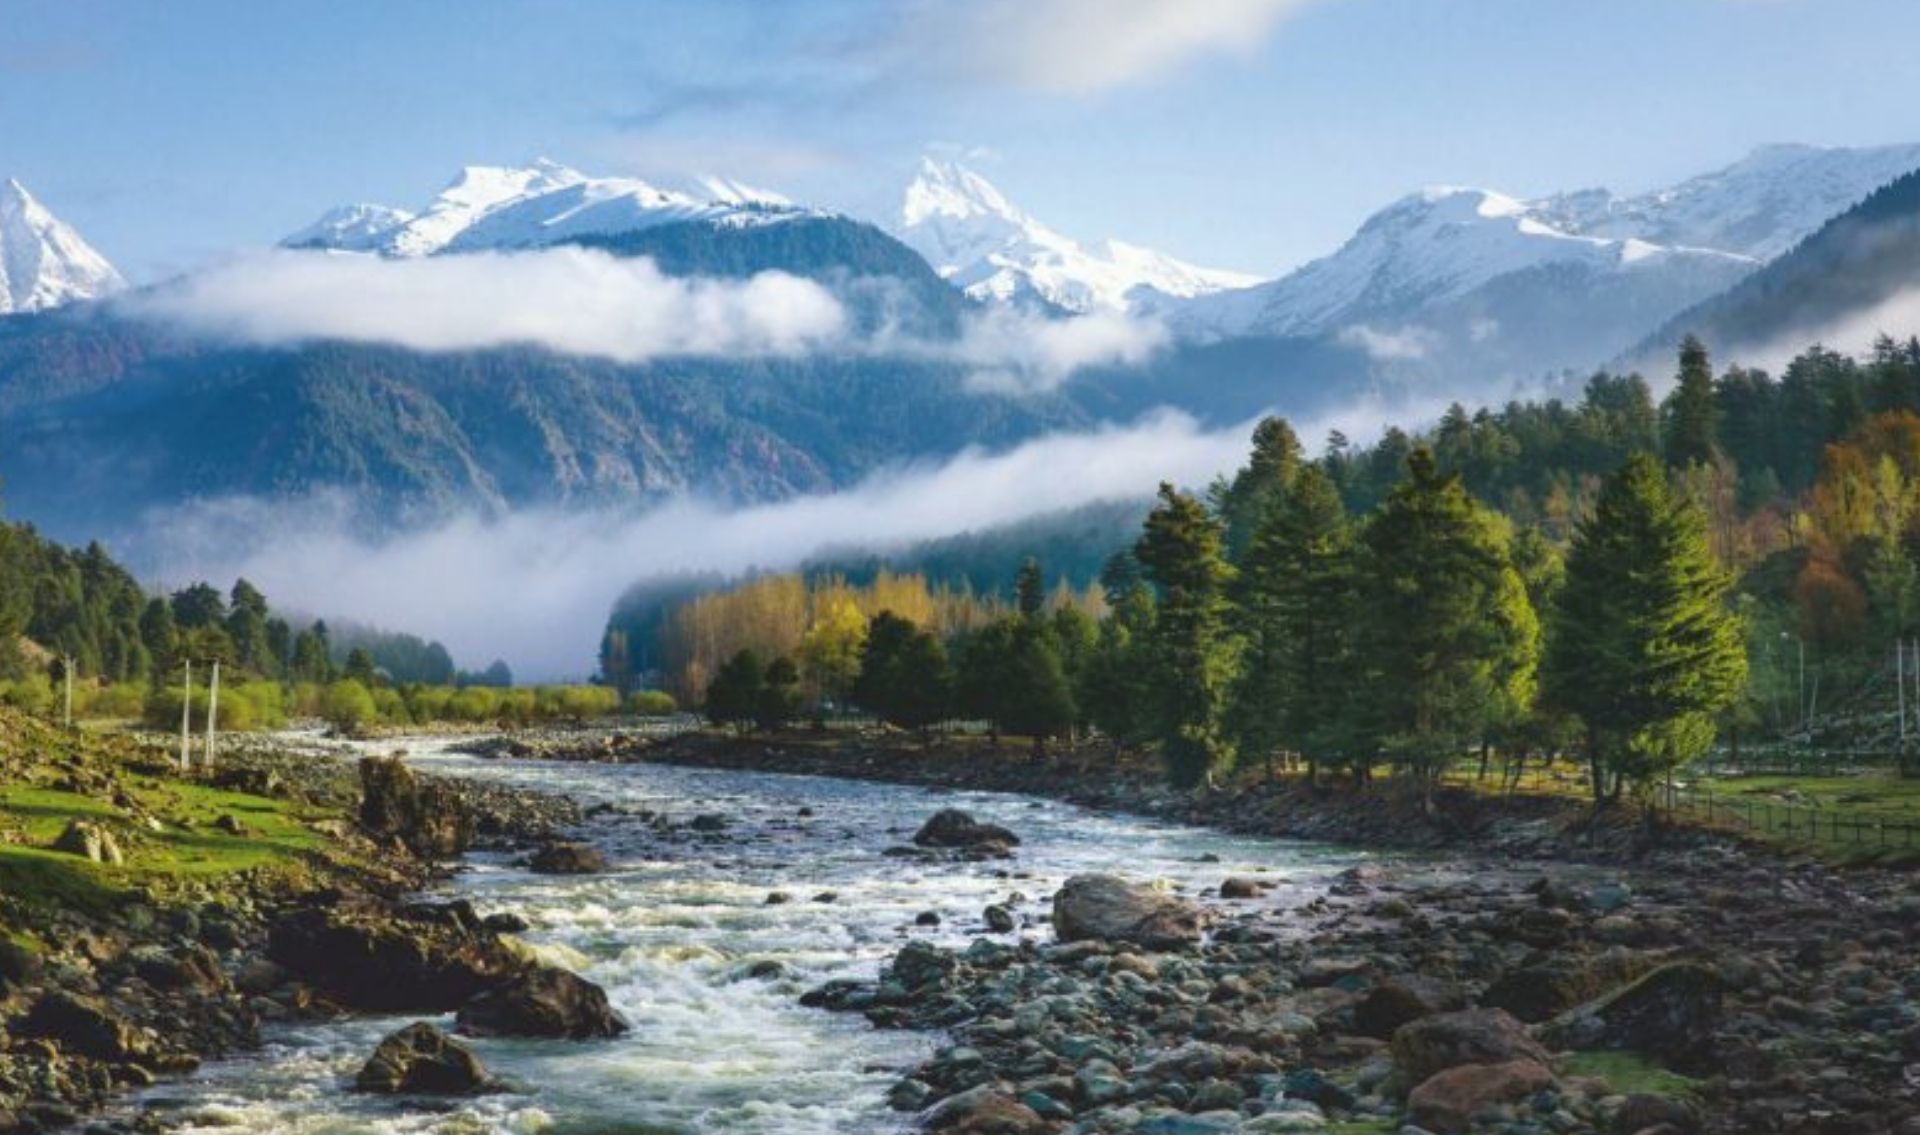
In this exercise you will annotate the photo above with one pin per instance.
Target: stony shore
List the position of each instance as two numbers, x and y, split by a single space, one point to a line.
181 914
1527 977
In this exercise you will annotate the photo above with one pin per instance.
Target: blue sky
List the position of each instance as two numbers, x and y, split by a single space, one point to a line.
1244 133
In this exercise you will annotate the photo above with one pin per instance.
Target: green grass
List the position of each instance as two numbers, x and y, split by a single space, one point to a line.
187 848
1874 797
1628 1073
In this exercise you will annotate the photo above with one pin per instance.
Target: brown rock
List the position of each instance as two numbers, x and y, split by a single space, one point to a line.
567 859
542 1002
421 1059
89 841
1108 909
417 959
1471 1036
1447 1101
425 815
985 1111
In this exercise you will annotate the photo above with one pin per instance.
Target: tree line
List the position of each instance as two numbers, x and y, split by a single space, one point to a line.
1609 579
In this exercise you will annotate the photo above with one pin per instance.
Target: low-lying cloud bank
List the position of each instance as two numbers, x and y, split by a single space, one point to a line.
536 586
1897 316
588 302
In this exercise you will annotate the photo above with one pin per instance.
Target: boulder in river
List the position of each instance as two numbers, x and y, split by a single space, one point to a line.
950 828
422 1060
422 958
567 858
86 1026
89 841
427 816
1105 908
1434 1044
542 1001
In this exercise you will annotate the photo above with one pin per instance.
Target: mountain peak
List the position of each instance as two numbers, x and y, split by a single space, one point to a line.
948 189
541 203
993 250
43 262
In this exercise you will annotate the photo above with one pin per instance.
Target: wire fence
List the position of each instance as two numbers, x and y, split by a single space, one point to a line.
1788 819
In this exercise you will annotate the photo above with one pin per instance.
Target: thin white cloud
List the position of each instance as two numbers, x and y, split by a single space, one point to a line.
1401 344
1076 47
1014 353
535 587
569 299
586 302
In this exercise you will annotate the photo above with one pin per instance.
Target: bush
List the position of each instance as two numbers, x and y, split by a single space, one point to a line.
347 705
652 703
32 693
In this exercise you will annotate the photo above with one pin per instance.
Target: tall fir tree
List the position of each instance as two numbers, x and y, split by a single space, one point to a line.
1692 434
1644 648
1243 502
1448 642
1295 610
1191 653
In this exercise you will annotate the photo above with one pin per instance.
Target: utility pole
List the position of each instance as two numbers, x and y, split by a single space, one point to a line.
1804 714
213 707
186 714
1900 684
66 670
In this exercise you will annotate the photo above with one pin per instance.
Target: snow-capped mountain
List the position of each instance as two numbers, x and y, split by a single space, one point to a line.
991 249
1435 248
1471 282
1760 206
494 207
43 262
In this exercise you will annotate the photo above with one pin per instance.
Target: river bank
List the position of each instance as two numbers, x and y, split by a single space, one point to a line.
152 920
1692 983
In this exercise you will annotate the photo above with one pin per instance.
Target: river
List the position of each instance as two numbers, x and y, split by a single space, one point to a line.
673 930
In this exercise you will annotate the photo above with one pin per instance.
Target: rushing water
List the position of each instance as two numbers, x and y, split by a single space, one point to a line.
673 930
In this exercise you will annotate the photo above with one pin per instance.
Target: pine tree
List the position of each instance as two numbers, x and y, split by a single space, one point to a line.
1692 417
1271 467
779 696
1295 609
734 696
1114 689
1644 650
1448 642
1190 652
904 674
1030 589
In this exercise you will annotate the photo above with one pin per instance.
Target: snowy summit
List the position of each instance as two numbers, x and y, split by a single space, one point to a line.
43 262
992 250
498 207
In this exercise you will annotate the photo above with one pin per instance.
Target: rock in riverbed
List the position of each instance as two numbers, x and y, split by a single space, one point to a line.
420 959
431 819
422 1060
1105 908
952 829
543 1001
567 858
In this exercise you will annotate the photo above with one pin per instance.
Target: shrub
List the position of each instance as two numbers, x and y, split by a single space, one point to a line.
652 703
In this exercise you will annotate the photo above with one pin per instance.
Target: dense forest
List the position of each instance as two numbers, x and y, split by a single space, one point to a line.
128 651
1618 577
